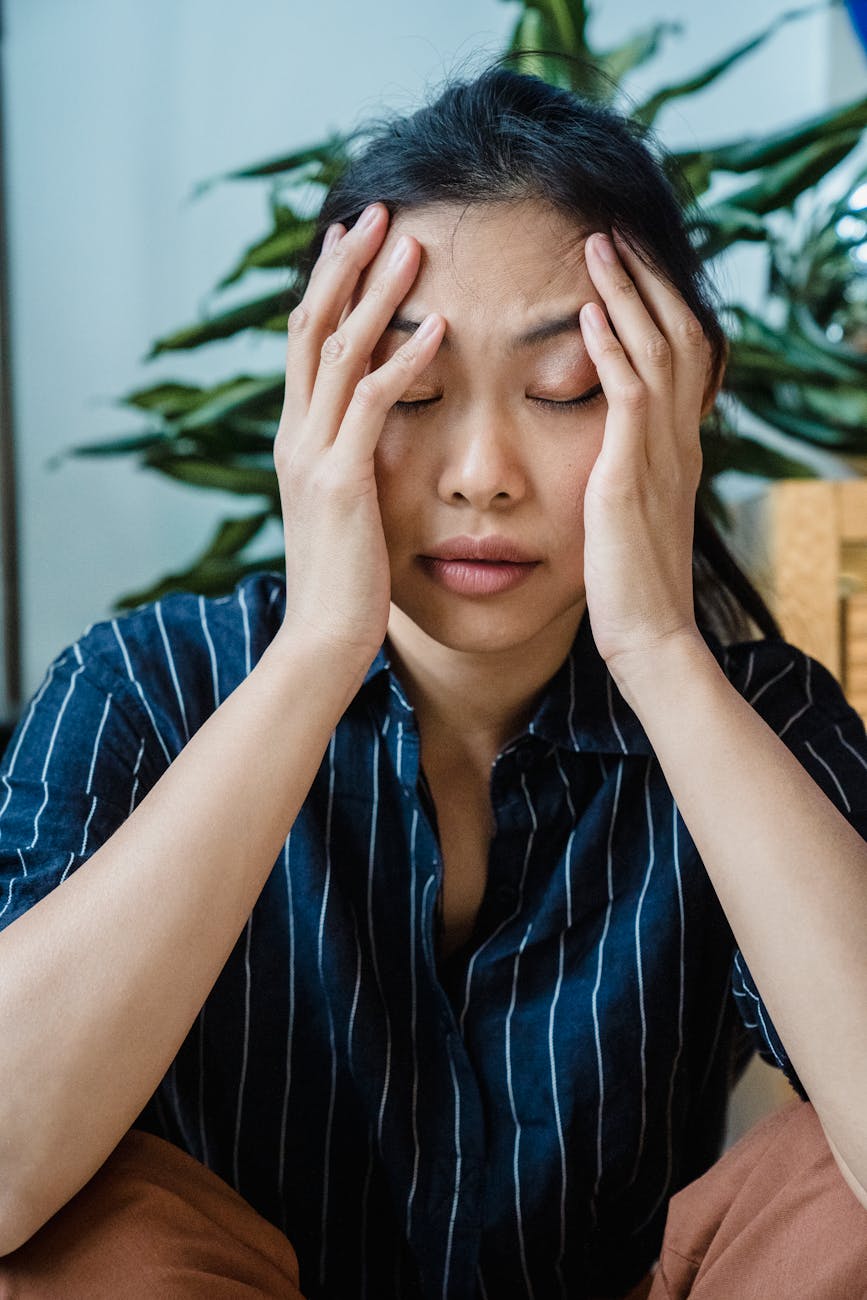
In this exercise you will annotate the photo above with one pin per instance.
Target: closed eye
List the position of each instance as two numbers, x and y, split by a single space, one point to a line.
584 399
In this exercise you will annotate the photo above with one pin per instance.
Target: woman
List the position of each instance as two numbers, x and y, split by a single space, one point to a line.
425 899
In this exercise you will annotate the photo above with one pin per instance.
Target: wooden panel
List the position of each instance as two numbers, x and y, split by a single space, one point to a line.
804 553
852 505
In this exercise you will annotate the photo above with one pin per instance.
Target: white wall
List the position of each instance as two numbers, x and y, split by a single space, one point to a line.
116 109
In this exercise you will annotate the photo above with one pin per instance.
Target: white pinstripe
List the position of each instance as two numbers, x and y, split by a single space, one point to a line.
173 672
89 786
135 777
508 1046
371 860
745 992
846 744
137 684
681 984
640 970
827 768
328 1126
290 1029
413 1018
66 868
771 681
83 848
458 1162
610 698
245 1049
245 614
355 996
597 1037
501 926
203 619
567 881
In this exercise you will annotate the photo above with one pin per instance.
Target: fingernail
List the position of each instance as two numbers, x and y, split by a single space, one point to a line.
604 247
592 320
398 253
429 326
368 217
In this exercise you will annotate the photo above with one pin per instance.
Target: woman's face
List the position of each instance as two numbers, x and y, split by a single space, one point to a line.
492 455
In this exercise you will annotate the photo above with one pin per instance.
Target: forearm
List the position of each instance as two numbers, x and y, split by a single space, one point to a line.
789 870
102 979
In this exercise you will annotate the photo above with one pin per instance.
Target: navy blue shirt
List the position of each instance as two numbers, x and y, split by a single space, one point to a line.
507 1122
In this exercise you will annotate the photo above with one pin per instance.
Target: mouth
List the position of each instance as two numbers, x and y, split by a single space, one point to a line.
468 576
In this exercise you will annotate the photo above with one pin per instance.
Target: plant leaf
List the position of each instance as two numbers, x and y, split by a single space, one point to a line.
780 183
242 479
752 152
648 111
637 50
325 153
257 314
277 250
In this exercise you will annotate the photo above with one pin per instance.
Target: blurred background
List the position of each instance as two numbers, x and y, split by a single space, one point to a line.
114 112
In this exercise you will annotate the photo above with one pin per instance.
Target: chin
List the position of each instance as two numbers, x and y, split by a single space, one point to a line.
480 627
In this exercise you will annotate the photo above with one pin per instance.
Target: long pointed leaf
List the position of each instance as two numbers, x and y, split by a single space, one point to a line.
256 314
637 50
648 111
221 478
326 152
752 152
276 251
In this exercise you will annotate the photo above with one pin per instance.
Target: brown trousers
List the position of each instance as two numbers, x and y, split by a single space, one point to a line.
772 1220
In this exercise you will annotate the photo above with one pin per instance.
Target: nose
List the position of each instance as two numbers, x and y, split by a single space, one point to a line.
483 465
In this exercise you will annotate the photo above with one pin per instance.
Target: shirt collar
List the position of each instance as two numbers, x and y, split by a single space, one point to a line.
580 708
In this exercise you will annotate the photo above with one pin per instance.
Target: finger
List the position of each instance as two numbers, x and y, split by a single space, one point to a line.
318 313
627 396
377 392
346 353
690 349
640 338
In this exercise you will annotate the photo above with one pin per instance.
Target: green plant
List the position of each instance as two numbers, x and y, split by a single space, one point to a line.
795 375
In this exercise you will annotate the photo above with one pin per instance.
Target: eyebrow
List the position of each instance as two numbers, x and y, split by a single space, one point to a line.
548 329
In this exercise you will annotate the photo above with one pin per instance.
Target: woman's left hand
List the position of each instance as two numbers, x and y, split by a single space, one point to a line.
639 501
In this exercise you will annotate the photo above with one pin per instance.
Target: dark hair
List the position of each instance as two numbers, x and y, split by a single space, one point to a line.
509 136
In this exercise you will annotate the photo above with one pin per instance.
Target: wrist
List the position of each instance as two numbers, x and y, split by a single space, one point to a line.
335 671
660 672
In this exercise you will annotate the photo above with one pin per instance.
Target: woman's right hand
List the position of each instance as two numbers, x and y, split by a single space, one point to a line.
337 575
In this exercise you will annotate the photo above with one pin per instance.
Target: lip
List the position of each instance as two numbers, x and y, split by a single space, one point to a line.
478 566
493 549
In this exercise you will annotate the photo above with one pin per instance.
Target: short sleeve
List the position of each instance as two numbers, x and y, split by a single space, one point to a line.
86 750
805 706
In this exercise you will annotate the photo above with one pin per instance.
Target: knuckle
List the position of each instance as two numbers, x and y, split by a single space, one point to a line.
298 320
369 392
333 349
690 330
631 395
657 351
626 287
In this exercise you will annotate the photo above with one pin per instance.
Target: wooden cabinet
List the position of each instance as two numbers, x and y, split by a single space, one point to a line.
804 544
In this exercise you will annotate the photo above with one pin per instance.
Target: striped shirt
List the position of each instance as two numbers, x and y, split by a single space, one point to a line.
509 1121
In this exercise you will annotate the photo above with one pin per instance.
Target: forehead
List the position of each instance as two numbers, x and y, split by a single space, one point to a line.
501 260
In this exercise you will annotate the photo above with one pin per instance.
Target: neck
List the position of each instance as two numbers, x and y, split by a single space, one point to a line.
474 702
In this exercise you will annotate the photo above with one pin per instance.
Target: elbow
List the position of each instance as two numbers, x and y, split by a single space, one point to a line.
856 1187
15 1229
